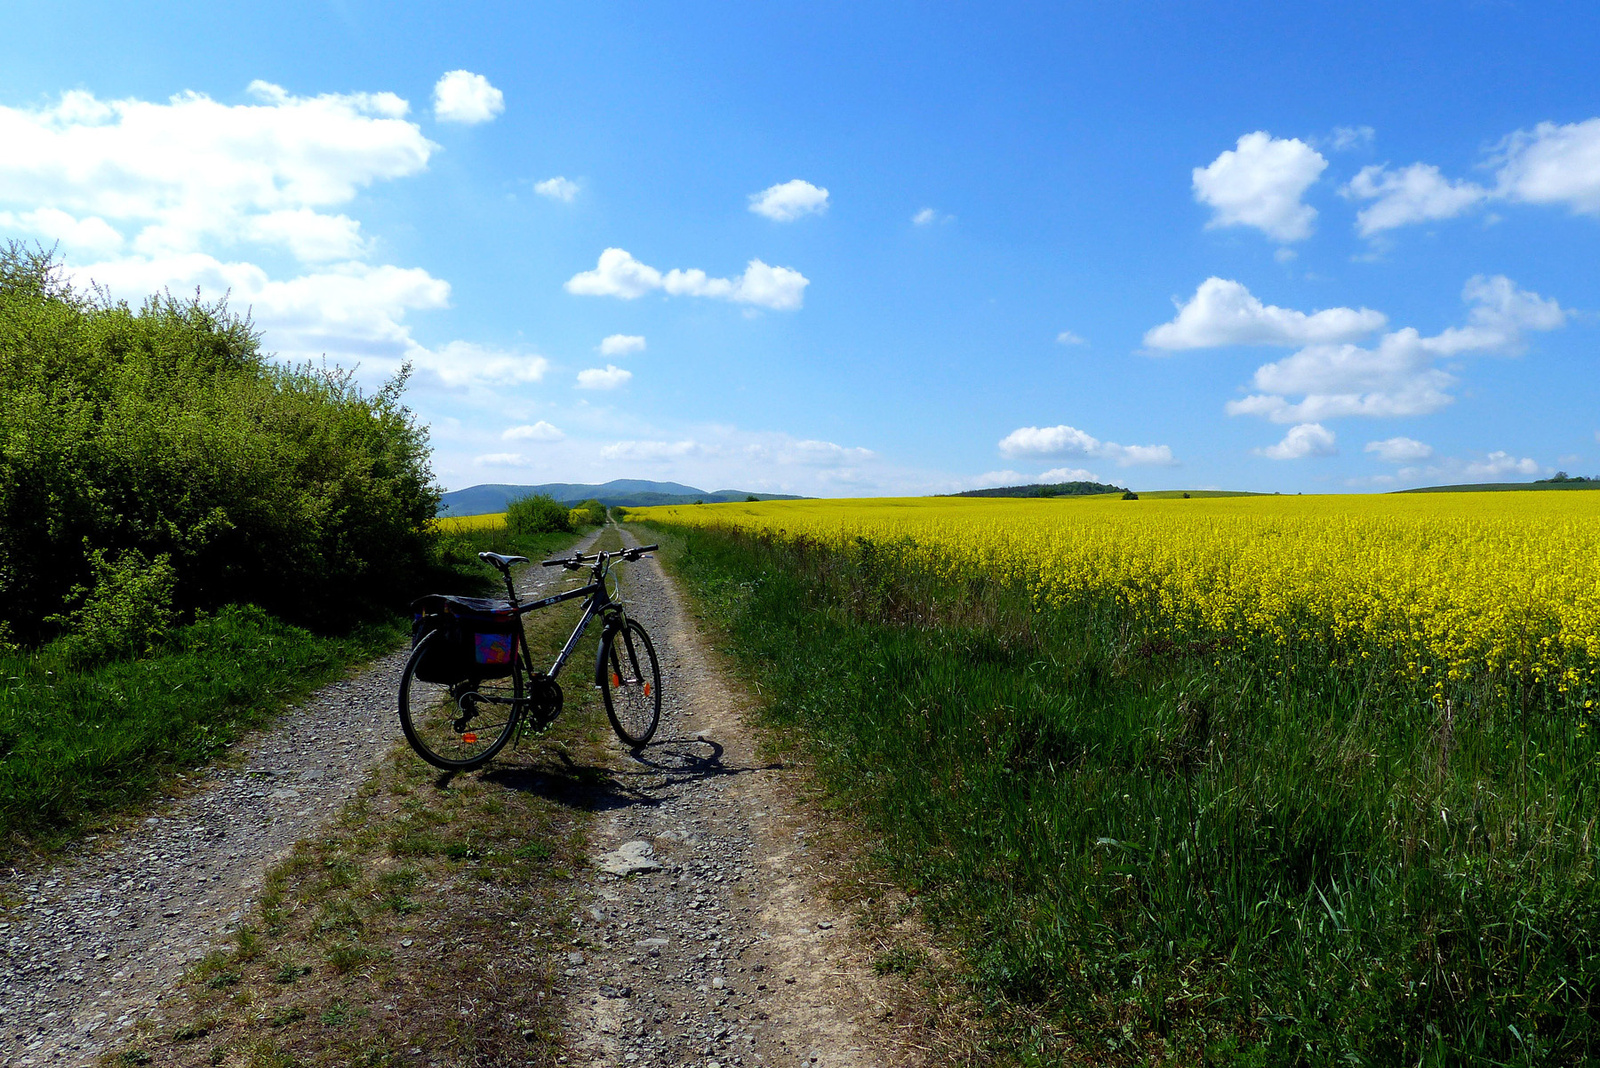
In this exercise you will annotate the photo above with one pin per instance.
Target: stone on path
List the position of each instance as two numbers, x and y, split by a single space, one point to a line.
630 858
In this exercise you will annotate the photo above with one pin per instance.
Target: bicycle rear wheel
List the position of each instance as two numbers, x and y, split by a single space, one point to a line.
461 725
631 684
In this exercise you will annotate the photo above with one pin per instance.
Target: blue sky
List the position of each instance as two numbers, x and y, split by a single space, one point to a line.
864 249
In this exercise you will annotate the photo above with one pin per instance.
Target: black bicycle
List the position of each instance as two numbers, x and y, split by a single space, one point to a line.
470 684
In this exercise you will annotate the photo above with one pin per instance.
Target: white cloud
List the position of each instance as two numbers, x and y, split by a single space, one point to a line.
1417 193
1070 441
310 235
92 235
504 459
1553 165
609 377
789 201
1398 375
621 345
1224 312
1068 474
1400 450
557 188
1259 183
925 217
1067 337
174 175
618 274
1346 138
350 311
1307 439
1048 441
654 452
807 453
540 431
462 364
1500 463
464 97
1550 164
1138 455
992 479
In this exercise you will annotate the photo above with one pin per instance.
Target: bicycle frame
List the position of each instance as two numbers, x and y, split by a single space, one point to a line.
600 604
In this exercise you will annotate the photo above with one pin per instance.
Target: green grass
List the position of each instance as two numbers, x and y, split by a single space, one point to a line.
1152 848
81 744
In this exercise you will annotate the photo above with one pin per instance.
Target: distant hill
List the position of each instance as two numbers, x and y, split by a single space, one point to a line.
1502 487
628 492
1053 489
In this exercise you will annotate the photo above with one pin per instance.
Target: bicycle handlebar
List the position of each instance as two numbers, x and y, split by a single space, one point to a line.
577 560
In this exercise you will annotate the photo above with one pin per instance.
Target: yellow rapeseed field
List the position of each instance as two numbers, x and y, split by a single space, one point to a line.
1461 585
454 524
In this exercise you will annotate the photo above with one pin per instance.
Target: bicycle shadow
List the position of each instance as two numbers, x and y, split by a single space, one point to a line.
656 774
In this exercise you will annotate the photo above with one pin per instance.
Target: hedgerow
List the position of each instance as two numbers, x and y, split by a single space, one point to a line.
160 441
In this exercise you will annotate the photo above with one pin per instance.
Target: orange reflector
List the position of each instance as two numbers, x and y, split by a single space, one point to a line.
470 739
647 689
616 680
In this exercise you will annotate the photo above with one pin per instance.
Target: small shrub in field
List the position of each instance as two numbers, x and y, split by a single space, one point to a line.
589 513
125 613
537 514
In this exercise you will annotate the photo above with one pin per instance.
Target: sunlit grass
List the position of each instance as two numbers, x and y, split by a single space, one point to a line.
1168 845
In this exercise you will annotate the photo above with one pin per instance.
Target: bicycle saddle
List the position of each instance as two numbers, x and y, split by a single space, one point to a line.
501 562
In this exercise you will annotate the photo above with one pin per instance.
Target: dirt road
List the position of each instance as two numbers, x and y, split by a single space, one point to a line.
702 938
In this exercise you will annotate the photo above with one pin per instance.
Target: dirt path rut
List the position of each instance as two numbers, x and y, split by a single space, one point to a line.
717 950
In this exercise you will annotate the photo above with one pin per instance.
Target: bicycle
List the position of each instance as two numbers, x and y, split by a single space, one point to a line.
470 682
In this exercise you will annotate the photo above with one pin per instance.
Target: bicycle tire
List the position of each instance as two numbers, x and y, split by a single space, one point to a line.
631 684
460 726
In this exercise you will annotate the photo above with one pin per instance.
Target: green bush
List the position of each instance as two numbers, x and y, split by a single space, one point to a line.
590 513
164 434
125 613
539 513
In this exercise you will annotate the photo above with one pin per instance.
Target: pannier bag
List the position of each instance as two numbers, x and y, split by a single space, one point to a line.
479 638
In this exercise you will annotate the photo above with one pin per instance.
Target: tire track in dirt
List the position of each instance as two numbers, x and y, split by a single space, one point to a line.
723 953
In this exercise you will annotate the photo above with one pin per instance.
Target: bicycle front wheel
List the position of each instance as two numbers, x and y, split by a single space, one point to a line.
631 684
461 725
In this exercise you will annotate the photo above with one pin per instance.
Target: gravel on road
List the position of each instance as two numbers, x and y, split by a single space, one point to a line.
702 937
95 940
717 949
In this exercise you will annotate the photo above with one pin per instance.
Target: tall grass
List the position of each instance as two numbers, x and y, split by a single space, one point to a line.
1156 847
